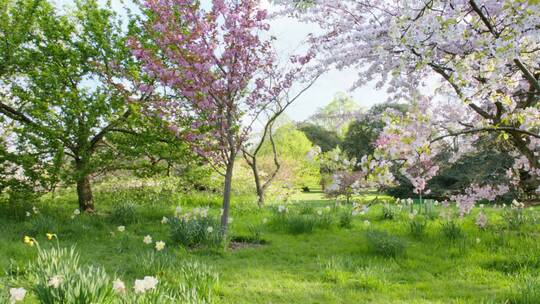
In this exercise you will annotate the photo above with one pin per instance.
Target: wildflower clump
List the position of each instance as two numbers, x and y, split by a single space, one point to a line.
195 228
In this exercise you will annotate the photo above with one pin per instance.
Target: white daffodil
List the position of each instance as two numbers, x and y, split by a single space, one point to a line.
17 294
119 286
160 245
55 281
147 240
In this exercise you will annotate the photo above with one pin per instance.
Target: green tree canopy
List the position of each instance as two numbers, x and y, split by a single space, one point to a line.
320 136
72 92
336 115
363 132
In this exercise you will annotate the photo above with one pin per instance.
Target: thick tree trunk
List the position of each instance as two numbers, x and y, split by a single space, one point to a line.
84 193
227 196
528 182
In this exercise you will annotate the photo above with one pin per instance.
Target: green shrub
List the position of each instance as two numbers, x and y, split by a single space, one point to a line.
514 218
452 230
383 244
124 213
75 284
156 262
298 224
306 209
303 221
199 199
324 221
388 212
526 290
334 270
199 278
255 233
191 232
417 225
40 224
345 219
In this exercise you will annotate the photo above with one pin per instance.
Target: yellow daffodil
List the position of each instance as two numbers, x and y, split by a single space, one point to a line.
28 241
50 236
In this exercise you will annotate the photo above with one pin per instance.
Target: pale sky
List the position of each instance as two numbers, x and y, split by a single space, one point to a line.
290 34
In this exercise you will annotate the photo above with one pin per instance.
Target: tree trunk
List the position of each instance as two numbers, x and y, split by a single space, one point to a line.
227 196
84 193
258 187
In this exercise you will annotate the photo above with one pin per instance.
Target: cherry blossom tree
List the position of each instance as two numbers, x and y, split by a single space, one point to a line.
485 54
216 70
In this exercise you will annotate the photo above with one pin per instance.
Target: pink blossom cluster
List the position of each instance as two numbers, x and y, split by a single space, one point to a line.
475 193
484 52
214 69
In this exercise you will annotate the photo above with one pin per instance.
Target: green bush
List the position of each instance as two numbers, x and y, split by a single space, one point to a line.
199 278
324 221
192 232
417 225
255 233
514 218
526 291
59 279
345 219
383 244
452 230
388 212
298 224
156 262
40 224
124 213
301 221
198 199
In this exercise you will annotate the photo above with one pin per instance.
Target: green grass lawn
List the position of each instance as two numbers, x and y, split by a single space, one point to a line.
329 265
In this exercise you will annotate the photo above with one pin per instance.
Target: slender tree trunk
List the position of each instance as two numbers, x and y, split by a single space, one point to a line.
227 196
258 186
84 193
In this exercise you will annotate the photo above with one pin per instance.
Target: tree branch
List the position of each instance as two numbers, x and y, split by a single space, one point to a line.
486 129
528 75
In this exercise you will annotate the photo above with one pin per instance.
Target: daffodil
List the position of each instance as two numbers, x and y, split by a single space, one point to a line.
119 286
160 245
17 294
28 240
147 239
55 281
50 236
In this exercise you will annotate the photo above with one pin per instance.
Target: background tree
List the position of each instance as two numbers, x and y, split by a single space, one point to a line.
269 118
17 26
327 140
362 133
71 92
293 147
336 115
